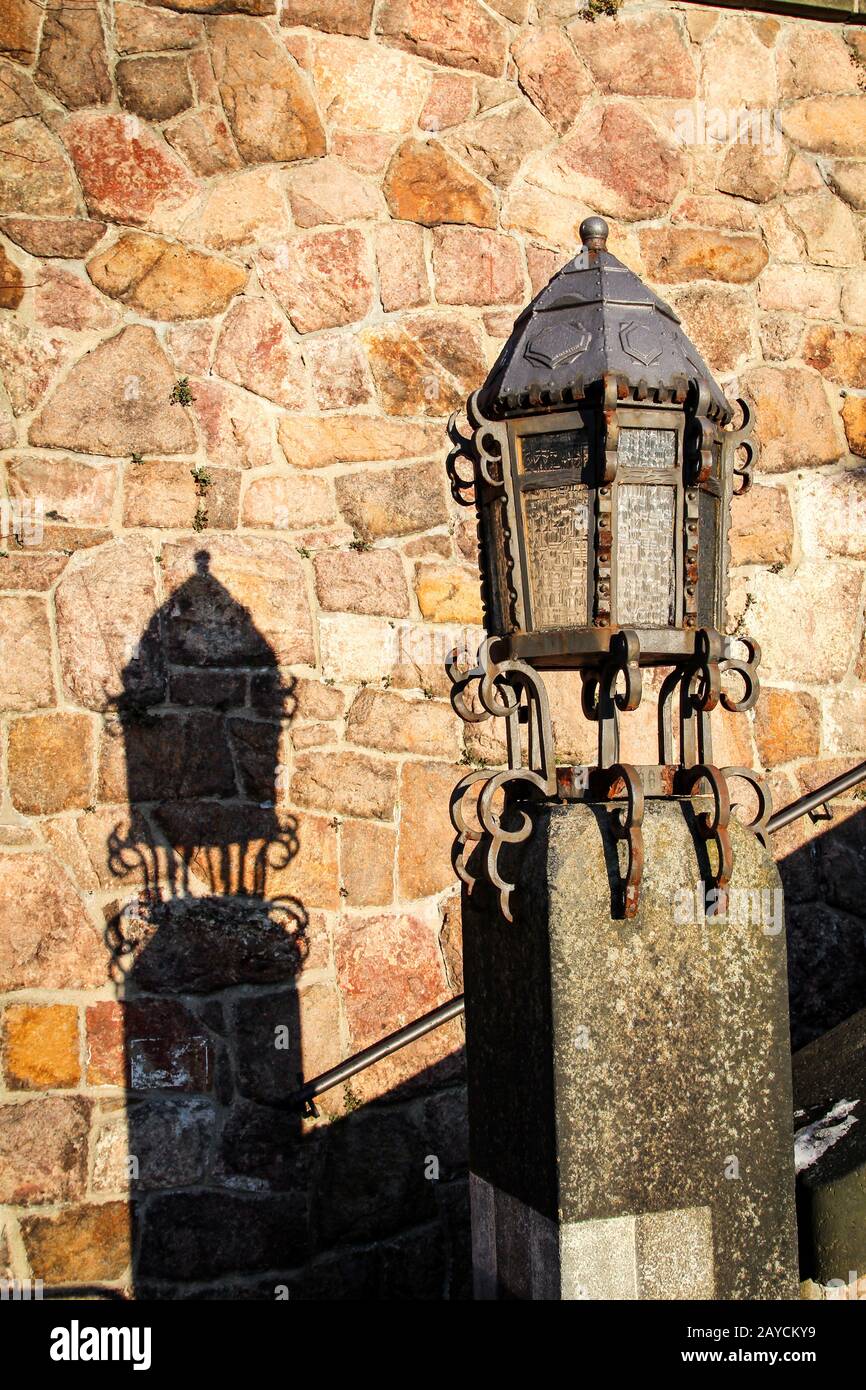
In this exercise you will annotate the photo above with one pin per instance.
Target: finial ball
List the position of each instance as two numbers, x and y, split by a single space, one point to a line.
593 233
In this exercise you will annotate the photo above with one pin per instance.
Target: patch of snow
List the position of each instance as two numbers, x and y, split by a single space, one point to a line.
812 1141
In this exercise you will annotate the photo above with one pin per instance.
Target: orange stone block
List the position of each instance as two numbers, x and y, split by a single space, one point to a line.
40 1046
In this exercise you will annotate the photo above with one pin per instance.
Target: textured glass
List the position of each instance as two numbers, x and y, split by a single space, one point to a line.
645 554
647 448
709 562
557 530
565 449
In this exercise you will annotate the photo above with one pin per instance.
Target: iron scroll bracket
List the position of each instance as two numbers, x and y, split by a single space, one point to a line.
453 1008
511 690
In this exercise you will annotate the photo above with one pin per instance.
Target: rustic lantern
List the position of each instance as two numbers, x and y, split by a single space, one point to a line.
602 468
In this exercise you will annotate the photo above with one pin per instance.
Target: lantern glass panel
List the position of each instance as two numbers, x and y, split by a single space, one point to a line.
556 521
555 449
646 567
554 485
647 448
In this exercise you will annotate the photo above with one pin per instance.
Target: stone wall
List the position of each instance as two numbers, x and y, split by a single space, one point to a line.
252 254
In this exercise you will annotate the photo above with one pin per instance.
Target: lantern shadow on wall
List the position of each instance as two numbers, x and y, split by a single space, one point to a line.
198 730
226 1183
206 848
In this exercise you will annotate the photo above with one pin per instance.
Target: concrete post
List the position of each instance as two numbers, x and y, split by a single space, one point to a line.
629 1082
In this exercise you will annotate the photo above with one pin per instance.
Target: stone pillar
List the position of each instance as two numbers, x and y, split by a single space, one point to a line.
630 1082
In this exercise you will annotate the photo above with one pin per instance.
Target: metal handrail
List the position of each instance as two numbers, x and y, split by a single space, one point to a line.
305 1097
805 805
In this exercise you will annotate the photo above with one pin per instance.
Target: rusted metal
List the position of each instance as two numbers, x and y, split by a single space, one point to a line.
570 782
626 824
512 691
601 462
713 825
760 824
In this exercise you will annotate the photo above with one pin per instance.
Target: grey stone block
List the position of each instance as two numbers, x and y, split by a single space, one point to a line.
629 1081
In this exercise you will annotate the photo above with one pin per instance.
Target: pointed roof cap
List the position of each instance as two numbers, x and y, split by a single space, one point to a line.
596 319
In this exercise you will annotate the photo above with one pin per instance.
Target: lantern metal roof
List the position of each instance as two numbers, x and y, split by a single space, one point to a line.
594 320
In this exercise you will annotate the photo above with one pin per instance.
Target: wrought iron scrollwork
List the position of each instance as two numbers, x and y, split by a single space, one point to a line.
512 691
484 449
490 441
601 697
704 676
748 670
743 439
461 451
700 692
759 824
713 825
700 439
626 823
623 661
